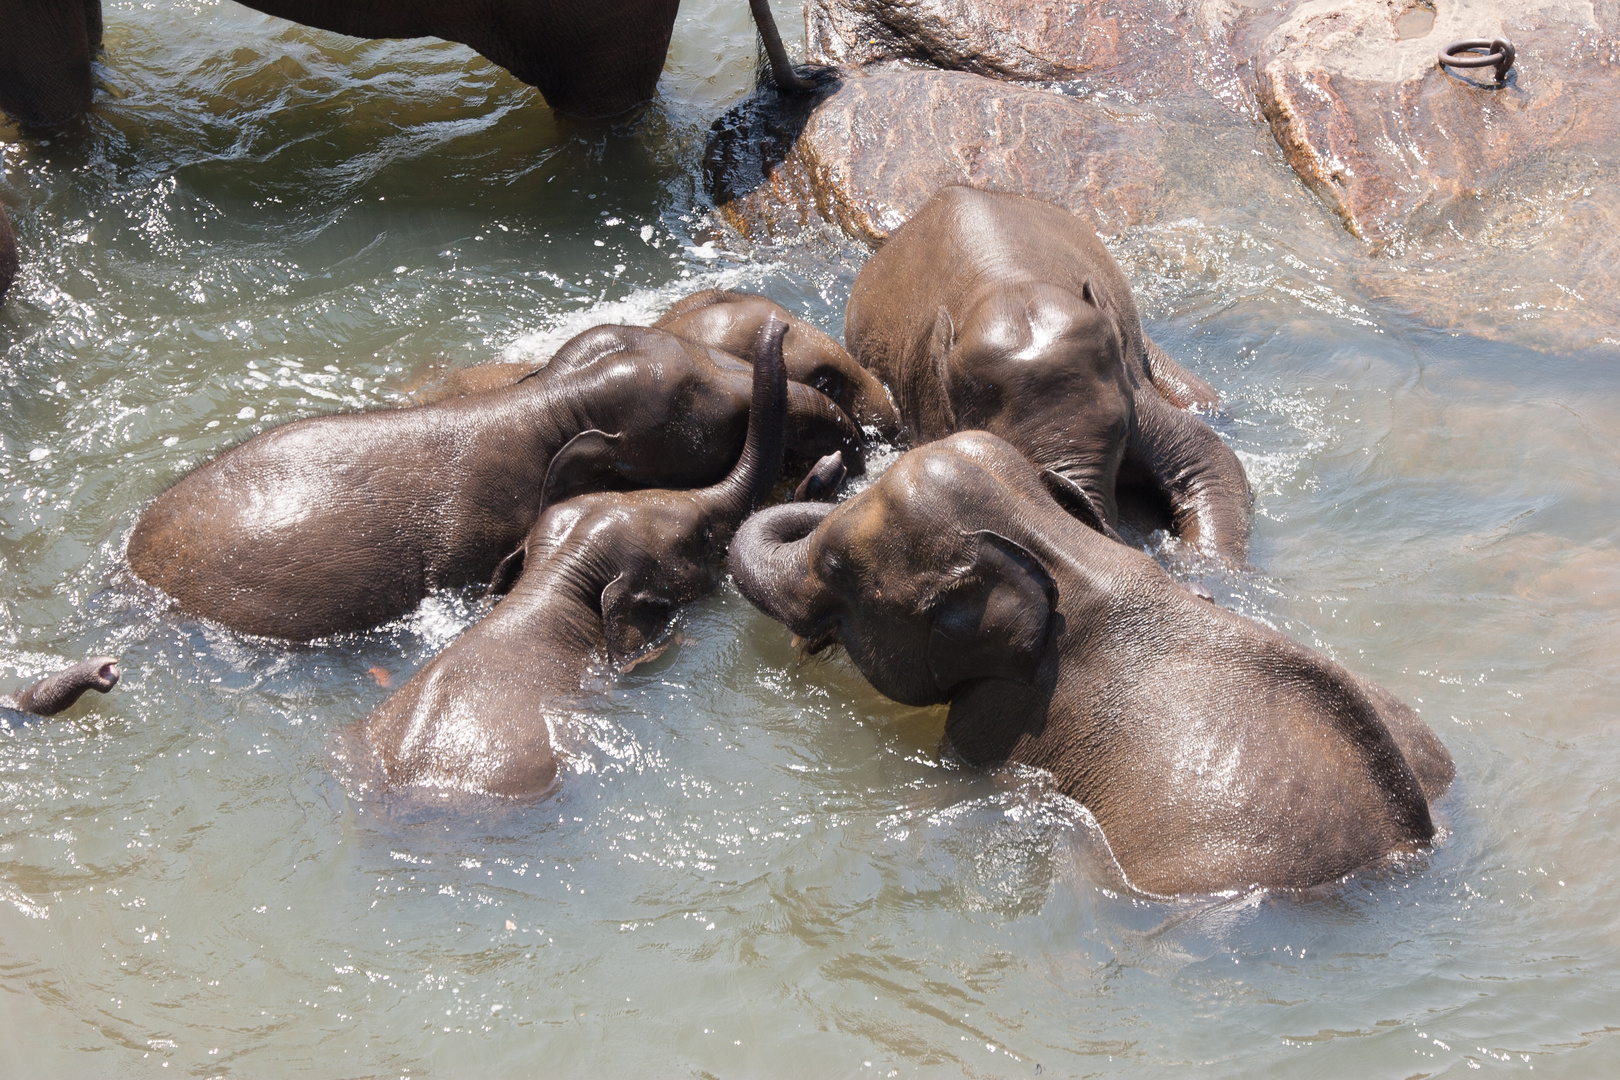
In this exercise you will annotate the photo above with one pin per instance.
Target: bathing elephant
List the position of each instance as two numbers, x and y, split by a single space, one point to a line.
602 575
589 59
999 312
58 692
338 523
1214 753
8 255
730 321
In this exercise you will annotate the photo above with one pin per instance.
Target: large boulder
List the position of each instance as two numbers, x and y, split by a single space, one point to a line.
1398 148
865 156
1143 47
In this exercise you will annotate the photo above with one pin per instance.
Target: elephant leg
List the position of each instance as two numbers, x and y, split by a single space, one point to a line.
1198 474
1179 386
45 51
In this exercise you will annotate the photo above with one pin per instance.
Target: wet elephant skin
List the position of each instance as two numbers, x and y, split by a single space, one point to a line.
1215 753
339 523
1002 313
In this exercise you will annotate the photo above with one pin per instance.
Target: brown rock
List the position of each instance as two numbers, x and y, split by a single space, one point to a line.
1140 45
868 154
1395 146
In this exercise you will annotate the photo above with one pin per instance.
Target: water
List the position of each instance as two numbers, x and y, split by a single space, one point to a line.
755 867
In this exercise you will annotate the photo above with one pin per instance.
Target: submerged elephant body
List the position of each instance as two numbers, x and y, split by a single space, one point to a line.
602 576
1214 753
339 523
590 60
1003 313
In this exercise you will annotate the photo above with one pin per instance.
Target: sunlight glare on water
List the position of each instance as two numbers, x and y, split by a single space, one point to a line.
755 866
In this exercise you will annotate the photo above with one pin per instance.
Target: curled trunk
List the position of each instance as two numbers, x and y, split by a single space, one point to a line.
770 558
51 695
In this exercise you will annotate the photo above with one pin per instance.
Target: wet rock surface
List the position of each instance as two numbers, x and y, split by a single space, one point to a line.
1494 210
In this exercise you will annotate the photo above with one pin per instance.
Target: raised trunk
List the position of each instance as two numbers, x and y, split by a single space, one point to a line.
735 497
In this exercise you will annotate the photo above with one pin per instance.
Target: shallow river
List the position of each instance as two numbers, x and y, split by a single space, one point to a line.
755 867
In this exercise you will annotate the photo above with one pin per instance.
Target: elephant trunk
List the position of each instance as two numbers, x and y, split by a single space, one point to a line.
770 558
735 497
51 695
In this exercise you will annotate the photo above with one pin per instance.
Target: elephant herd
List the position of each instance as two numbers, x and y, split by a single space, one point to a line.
990 568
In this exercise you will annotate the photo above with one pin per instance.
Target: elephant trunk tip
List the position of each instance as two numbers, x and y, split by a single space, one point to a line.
52 694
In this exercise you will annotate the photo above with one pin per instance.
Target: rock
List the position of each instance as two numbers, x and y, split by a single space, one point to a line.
867 154
1140 47
8 255
1398 148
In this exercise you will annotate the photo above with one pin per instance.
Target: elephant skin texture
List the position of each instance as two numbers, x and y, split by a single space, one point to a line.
1214 753
996 312
8 255
589 58
602 576
339 523
57 693
730 321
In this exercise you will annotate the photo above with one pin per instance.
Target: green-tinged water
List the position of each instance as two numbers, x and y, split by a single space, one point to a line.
754 867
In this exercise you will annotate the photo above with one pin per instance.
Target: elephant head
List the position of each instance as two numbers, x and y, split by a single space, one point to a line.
730 321
601 576
922 599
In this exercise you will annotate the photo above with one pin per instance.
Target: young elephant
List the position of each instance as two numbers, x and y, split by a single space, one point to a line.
1000 312
54 693
730 321
1214 753
602 575
338 523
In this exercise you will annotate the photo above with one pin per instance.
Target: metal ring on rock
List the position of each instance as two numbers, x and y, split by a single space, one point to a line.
1499 53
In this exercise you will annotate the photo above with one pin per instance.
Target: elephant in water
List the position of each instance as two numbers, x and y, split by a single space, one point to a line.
339 523
1004 313
1214 753
590 60
602 576
58 692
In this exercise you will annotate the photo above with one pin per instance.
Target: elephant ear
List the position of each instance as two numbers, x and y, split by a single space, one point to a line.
632 620
991 621
940 344
587 462
1078 502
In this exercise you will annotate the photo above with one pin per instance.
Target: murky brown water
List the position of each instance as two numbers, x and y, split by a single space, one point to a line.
757 868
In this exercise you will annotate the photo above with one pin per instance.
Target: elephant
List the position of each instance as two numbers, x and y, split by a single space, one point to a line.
56 693
999 312
592 61
1214 753
8 255
602 575
338 523
729 321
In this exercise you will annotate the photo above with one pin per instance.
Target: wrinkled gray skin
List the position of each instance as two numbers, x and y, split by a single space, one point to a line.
730 321
338 523
58 692
602 576
1007 314
1214 753
8 255
590 58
